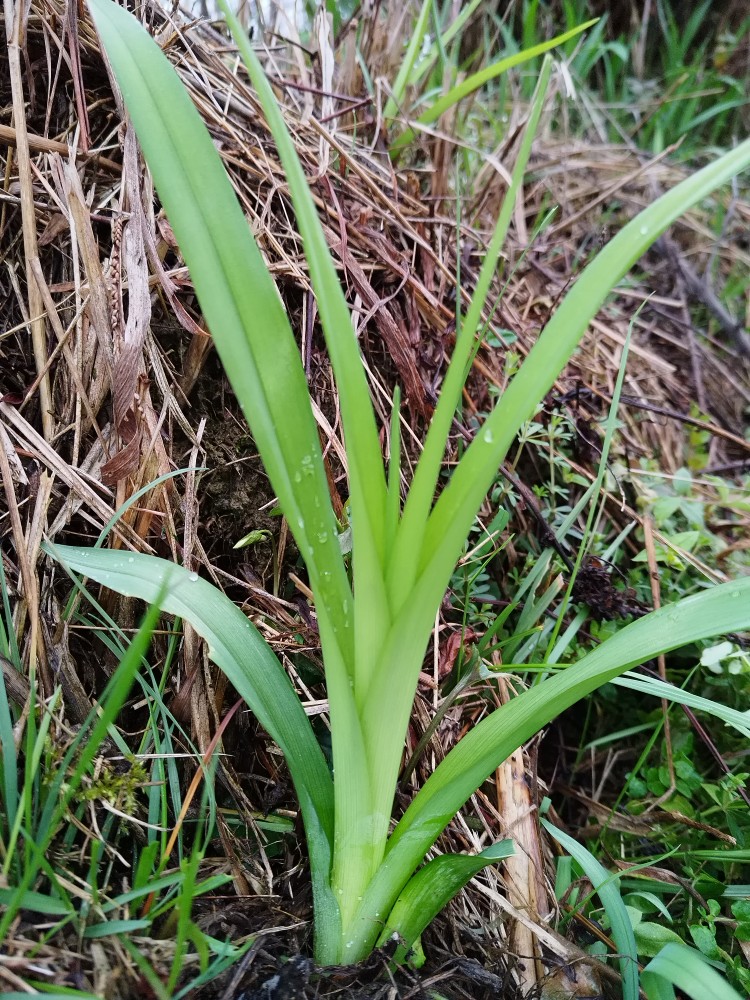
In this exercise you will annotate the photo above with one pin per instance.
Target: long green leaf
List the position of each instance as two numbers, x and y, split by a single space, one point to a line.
404 561
427 892
609 894
725 608
480 78
356 857
237 295
456 508
688 971
401 653
367 486
237 647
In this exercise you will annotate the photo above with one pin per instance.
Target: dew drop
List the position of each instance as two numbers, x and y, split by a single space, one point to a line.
349 944
322 537
735 593
487 436
644 230
298 477
131 560
193 577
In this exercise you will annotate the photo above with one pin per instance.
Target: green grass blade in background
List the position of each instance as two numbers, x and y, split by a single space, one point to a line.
688 971
237 295
657 688
456 25
79 757
9 792
237 647
404 75
608 891
479 79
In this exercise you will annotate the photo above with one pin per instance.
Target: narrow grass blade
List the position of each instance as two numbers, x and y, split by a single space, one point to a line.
479 79
609 893
83 749
456 26
114 928
36 902
236 646
51 995
237 295
9 796
660 689
687 970
403 77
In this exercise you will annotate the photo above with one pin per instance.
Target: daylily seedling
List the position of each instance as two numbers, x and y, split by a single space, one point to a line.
375 629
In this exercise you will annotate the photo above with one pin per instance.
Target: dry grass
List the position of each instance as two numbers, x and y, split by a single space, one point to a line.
108 380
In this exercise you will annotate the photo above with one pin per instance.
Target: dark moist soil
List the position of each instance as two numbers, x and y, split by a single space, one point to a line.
278 967
235 495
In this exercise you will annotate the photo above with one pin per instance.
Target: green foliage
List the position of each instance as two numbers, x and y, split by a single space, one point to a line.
63 785
677 965
683 92
374 629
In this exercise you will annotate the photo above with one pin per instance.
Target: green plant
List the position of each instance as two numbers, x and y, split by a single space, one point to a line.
667 82
51 784
373 634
